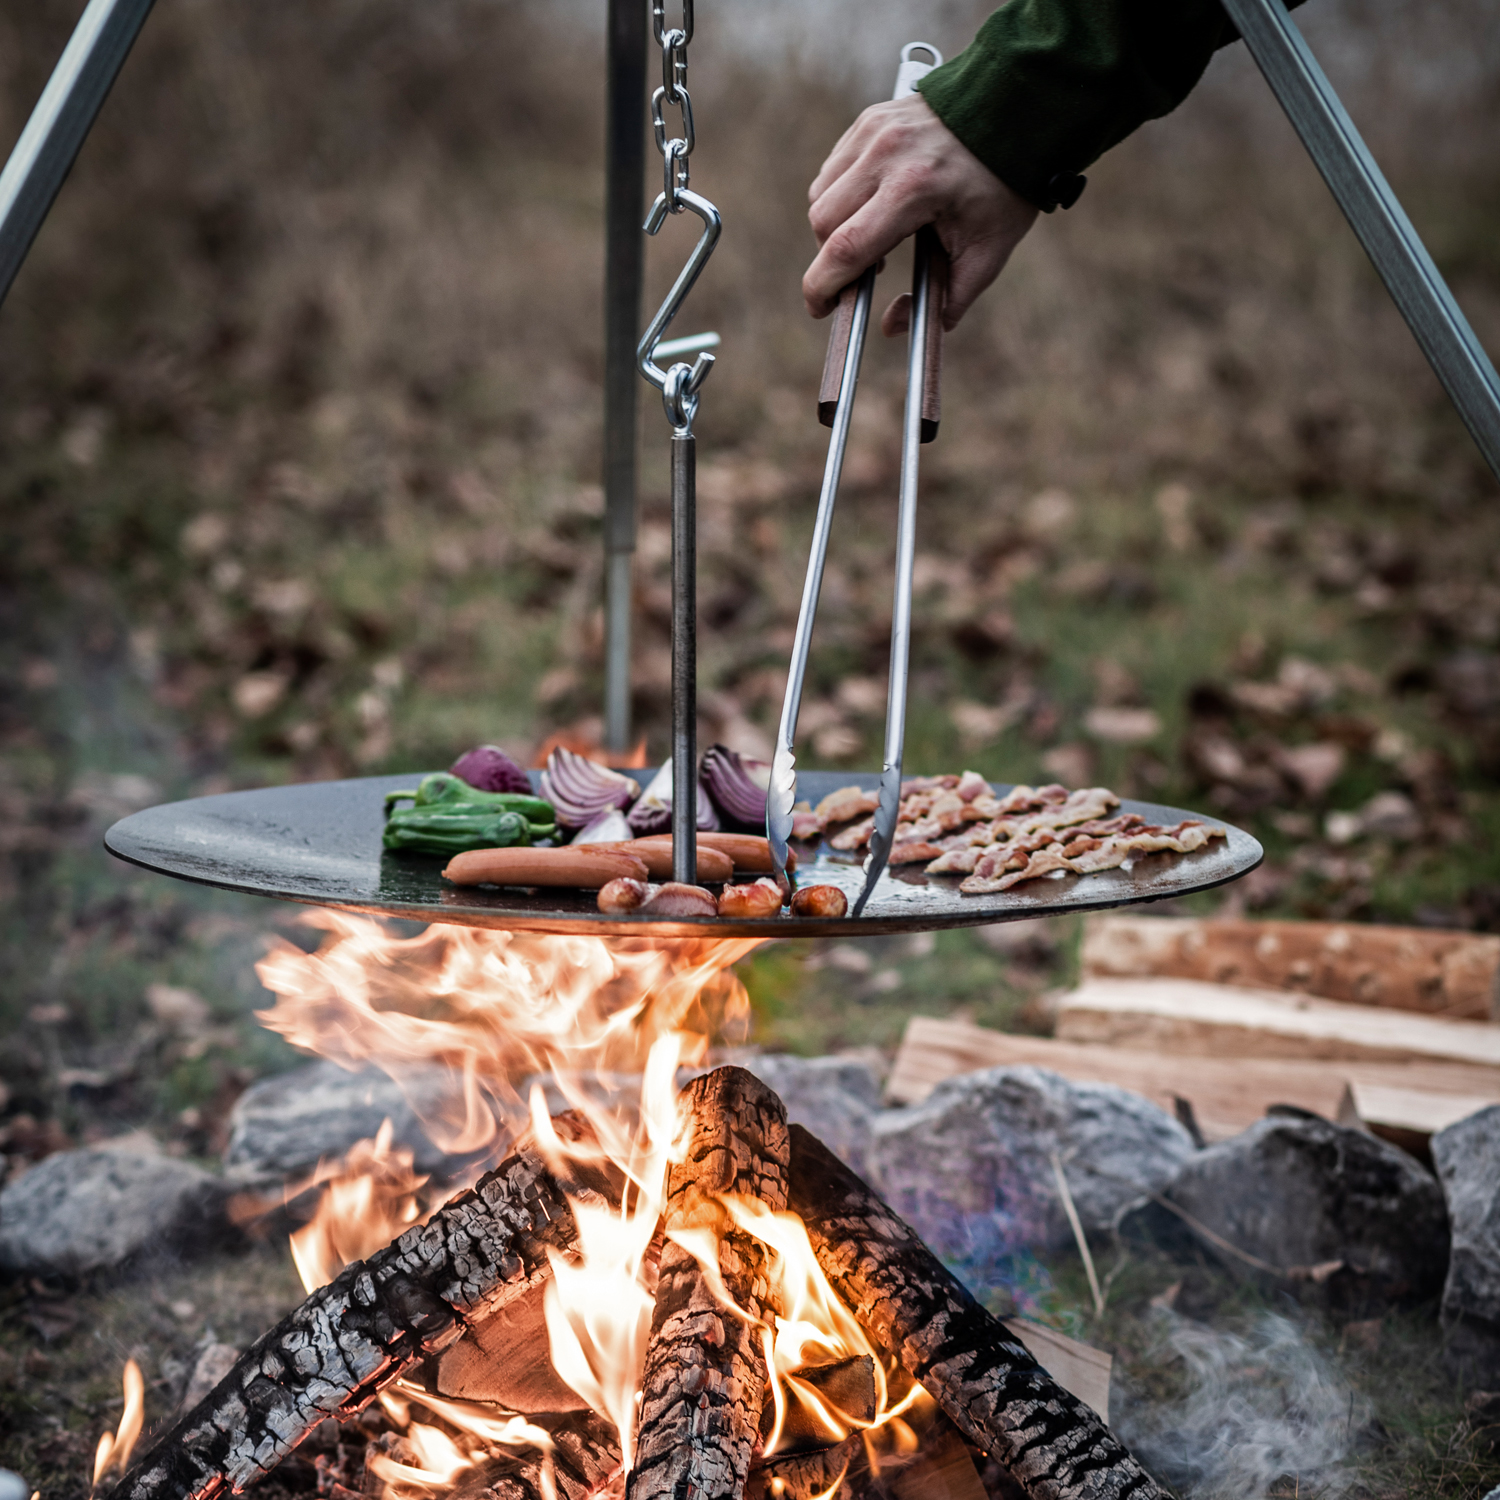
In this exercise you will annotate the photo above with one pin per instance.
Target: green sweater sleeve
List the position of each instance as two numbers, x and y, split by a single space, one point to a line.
1048 86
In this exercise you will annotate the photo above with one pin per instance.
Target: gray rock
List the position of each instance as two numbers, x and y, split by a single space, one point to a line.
96 1209
283 1126
1467 1157
213 1363
1304 1194
971 1166
836 1098
12 1486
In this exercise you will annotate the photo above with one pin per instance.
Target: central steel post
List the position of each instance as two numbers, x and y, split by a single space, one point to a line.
624 263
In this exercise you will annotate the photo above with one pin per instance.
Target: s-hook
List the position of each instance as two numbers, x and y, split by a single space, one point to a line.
679 385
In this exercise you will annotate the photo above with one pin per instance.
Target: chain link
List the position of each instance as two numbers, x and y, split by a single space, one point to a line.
675 149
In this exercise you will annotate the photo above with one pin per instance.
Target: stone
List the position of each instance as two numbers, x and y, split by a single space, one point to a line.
1337 1209
836 1098
283 1126
971 1167
97 1209
12 1486
1467 1158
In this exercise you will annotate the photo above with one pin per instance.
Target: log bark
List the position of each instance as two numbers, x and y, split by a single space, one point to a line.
918 1314
705 1373
369 1325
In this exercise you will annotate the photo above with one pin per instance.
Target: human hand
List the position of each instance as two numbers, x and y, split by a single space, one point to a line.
897 168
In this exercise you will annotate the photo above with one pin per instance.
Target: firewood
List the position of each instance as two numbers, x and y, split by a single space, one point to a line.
370 1324
1189 1016
922 1317
1409 968
705 1371
1227 1093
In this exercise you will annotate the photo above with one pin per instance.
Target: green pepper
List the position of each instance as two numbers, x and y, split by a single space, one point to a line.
444 789
451 831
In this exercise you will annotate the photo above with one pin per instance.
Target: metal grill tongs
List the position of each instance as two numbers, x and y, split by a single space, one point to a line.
846 347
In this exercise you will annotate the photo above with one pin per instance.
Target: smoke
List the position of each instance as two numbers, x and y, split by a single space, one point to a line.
1259 1407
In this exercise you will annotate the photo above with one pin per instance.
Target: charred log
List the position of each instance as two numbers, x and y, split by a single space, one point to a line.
705 1371
374 1321
918 1314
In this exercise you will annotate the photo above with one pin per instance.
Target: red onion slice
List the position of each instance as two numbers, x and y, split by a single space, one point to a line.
653 813
608 828
736 785
580 789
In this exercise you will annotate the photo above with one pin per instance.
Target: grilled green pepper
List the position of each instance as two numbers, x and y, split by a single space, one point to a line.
427 830
442 789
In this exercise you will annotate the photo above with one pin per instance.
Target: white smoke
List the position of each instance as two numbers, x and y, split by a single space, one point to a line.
1260 1406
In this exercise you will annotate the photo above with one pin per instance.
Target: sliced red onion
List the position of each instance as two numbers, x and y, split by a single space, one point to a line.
608 828
653 813
736 785
490 769
580 789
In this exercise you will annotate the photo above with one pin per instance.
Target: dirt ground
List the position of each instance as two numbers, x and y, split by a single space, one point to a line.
299 453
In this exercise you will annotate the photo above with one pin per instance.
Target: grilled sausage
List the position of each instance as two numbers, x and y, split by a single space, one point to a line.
749 851
675 900
656 855
762 898
820 901
582 866
623 894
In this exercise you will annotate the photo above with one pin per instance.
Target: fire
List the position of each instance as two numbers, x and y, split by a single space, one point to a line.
368 1199
610 1025
115 1447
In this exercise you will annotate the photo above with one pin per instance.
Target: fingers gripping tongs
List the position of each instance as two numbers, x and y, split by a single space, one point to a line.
835 406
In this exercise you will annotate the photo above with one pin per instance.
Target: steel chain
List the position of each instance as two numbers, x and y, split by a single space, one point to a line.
675 150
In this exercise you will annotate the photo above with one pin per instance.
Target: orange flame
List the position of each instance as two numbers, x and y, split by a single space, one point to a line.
115 1448
368 1199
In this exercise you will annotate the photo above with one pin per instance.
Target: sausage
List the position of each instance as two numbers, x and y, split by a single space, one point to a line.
674 900
582 866
749 851
623 894
656 855
820 901
762 898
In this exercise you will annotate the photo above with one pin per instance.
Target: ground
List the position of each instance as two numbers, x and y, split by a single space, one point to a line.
299 449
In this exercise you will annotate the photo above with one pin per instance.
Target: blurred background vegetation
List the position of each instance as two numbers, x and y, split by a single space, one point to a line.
299 455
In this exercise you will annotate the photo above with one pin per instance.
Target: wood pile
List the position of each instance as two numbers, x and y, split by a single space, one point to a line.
1214 1021
453 1305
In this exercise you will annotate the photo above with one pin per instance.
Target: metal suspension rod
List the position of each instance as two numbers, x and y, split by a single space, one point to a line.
60 122
1375 215
684 657
624 262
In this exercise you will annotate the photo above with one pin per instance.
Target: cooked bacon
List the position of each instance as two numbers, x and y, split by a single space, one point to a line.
855 836
806 824
846 803
914 852
1100 854
960 861
971 785
928 784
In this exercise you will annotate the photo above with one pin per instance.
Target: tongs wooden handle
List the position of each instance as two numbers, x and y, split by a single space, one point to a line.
932 378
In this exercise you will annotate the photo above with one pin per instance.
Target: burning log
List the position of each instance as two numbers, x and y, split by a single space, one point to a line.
585 1456
705 1373
329 1358
918 1314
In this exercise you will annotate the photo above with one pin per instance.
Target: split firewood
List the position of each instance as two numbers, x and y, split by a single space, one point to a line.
370 1324
922 1317
705 1372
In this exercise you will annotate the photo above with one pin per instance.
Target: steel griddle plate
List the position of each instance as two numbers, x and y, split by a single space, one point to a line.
320 843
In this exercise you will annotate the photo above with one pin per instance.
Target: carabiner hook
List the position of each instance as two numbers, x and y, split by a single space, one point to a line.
679 385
